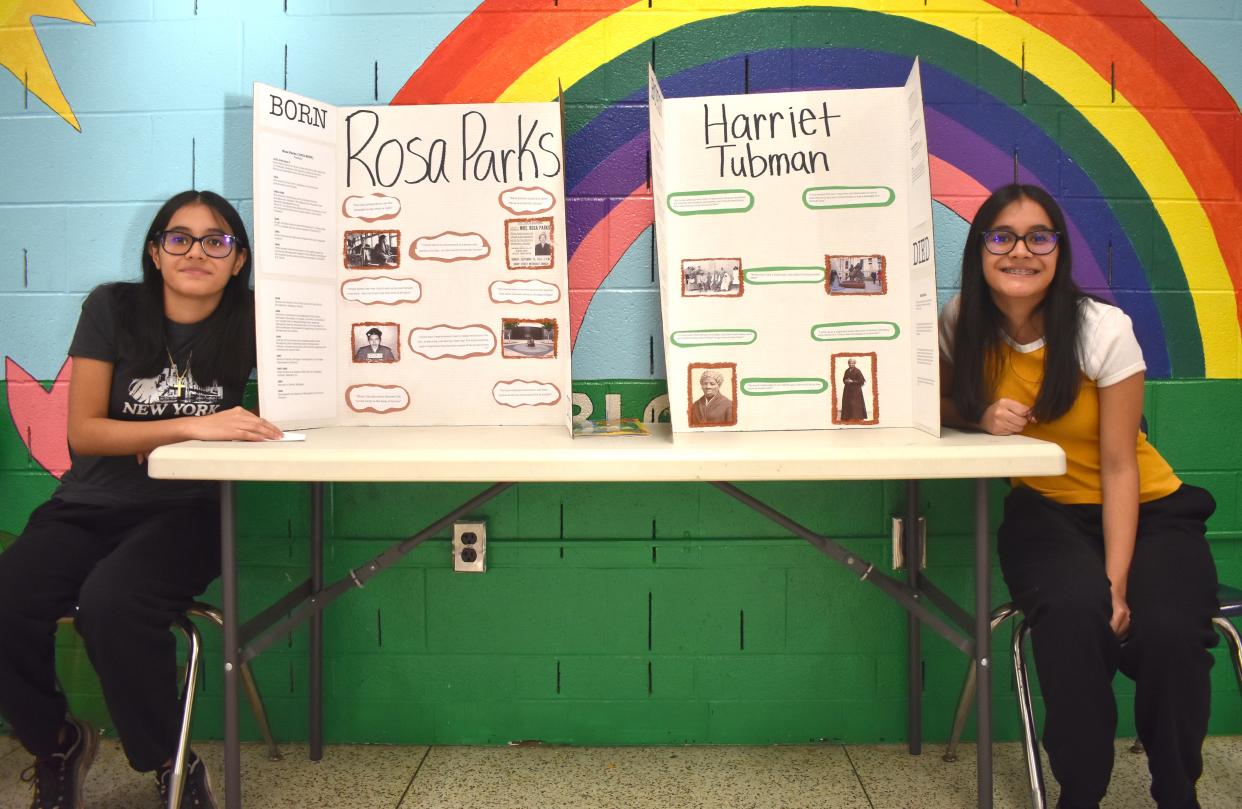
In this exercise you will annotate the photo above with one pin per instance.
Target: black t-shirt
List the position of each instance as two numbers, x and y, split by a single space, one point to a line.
135 396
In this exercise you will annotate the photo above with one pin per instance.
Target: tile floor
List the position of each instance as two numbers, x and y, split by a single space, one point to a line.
822 776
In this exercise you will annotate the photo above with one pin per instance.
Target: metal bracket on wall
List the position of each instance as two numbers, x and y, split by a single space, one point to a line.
899 551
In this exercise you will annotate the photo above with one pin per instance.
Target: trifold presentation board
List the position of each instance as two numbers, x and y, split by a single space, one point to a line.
410 263
797 271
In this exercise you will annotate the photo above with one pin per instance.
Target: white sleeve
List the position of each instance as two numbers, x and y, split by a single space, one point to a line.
1111 351
948 321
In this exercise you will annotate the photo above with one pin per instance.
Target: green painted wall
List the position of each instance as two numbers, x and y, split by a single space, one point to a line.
633 614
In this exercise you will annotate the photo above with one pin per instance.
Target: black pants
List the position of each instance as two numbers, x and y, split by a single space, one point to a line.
130 571
1052 557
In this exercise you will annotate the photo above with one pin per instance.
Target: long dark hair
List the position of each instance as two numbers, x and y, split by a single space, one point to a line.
977 335
224 350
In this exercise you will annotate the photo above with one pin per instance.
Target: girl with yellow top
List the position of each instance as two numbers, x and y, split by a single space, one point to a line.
1109 561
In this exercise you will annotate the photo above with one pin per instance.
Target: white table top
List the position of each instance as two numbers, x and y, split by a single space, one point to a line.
549 454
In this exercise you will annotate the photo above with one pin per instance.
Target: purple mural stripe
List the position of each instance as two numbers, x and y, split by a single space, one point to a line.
973 154
626 168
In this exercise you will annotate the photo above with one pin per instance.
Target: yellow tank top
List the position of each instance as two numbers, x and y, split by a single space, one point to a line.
1078 433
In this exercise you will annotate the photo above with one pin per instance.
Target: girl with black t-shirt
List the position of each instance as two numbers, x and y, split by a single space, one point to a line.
154 362
1109 561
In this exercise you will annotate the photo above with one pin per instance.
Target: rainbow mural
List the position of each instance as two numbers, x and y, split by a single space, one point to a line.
1110 112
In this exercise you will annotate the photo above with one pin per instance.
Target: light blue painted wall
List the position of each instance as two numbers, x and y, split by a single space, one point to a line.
1212 30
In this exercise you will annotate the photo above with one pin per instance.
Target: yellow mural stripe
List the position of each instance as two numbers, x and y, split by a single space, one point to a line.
1056 65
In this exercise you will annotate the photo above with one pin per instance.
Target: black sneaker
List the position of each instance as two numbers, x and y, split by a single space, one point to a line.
58 778
196 794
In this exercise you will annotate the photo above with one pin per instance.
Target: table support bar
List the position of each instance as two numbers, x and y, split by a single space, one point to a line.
315 658
947 605
232 648
865 570
257 625
912 541
983 648
315 604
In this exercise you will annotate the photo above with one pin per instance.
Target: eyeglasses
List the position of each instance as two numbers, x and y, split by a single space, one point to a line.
178 243
1002 242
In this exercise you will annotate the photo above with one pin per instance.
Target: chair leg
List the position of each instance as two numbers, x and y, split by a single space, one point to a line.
967 698
210 613
1226 628
193 642
964 703
1030 734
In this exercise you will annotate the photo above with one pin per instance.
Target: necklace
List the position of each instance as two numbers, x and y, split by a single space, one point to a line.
1010 354
179 378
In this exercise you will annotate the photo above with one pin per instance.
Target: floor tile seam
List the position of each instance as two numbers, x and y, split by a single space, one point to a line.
861 784
410 785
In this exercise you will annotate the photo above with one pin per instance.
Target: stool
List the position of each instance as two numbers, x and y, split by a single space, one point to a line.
194 642
1230 600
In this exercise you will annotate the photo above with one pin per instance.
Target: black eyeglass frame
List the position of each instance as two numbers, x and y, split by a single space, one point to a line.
161 239
1056 240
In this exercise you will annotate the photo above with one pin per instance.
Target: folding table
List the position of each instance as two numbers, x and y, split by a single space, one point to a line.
548 454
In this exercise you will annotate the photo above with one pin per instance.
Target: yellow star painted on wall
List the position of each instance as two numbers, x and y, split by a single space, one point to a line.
22 54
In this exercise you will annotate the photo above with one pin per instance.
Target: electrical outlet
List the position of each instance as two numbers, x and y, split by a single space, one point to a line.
470 547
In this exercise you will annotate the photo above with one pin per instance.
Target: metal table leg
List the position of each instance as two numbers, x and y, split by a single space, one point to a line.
315 658
983 645
228 605
912 540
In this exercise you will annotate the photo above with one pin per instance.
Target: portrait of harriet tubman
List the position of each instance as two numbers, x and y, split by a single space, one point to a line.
853 404
713 407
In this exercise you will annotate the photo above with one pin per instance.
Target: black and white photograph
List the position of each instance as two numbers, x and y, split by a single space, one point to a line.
856 275
525 339
713 394
365 249
529 243
855 389
711 277
376 342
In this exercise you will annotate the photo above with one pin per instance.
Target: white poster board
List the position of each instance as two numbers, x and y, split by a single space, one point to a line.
410 263
797 271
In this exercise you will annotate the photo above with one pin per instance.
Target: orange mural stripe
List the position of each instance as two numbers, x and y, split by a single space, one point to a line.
470 64
452 59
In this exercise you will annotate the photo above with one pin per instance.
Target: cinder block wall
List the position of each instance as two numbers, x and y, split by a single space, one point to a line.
639 613
643 613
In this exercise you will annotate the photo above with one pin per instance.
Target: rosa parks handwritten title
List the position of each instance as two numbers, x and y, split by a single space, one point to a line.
517 150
